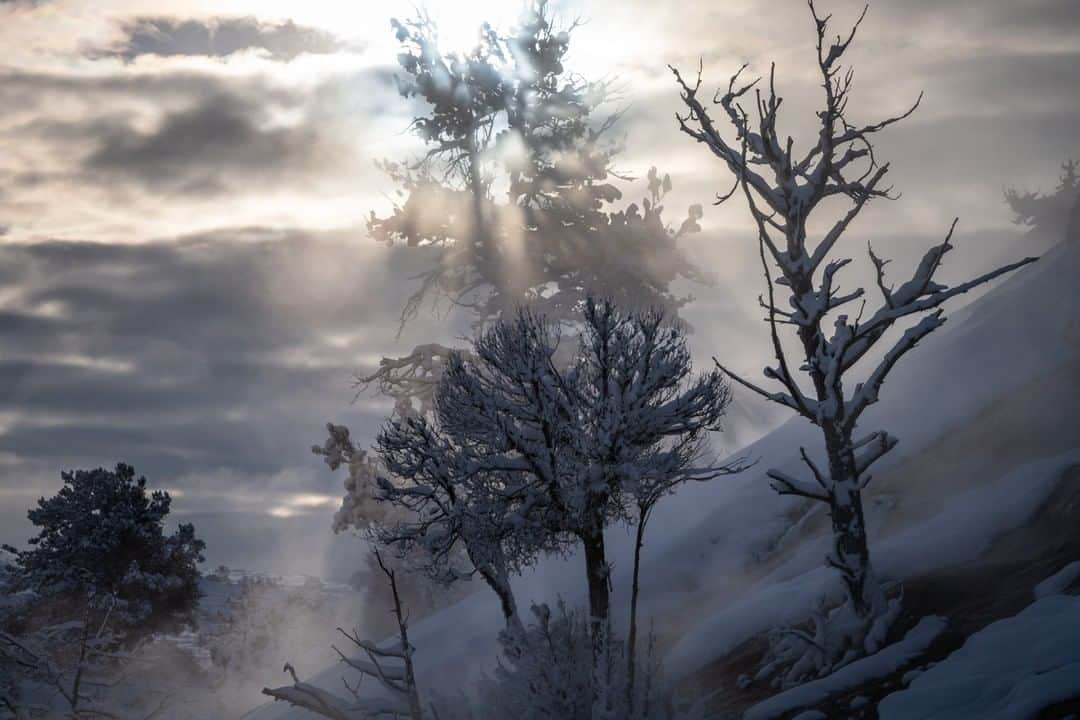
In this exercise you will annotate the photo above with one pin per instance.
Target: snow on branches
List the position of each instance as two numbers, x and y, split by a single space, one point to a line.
525 453
782 189
389 665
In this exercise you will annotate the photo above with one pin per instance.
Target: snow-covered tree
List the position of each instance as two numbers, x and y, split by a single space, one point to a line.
102 543
582 441
508 118
1054 214
514 201
546 672
783 190
457 519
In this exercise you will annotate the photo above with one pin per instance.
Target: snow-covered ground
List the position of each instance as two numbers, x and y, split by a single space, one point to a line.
849 677
1009 670
722 560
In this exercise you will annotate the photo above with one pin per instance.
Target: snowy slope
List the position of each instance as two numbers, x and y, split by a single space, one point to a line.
1010 670
721 562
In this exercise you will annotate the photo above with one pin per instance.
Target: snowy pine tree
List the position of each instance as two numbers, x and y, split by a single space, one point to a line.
102 544
1053 214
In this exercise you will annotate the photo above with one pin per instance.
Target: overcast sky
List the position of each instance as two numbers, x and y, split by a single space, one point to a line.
185 282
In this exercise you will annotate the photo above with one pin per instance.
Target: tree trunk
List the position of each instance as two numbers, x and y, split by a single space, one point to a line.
500 585
631 637
596 572
850 550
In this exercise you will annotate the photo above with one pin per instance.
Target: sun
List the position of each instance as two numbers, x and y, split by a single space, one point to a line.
459 21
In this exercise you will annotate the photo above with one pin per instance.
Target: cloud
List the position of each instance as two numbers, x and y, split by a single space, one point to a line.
158 143
199 149
218 38
211 362
230 348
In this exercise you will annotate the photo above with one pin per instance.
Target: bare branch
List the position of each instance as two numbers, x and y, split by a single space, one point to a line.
872 448
818 475
706 133
780 398
785 484
866 393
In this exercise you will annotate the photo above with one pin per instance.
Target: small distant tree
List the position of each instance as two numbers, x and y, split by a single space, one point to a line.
782 191
102 545
1056 214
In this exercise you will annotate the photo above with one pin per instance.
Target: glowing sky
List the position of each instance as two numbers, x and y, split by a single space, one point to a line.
185 283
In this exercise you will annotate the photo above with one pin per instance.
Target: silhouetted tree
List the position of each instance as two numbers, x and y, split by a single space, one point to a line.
782 191
102 545
514 198
1055 215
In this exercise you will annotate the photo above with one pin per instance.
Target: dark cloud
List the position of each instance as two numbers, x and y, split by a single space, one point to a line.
218 37
196 150
22 89
211 362
184 133
228 349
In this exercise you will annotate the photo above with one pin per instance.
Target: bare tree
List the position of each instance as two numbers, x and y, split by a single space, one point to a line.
782 190
448 508
390 665
78 663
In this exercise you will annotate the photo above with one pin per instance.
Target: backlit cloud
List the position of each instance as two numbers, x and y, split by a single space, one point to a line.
217 37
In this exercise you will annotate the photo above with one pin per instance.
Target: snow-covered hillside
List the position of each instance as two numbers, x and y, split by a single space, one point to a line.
986 411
